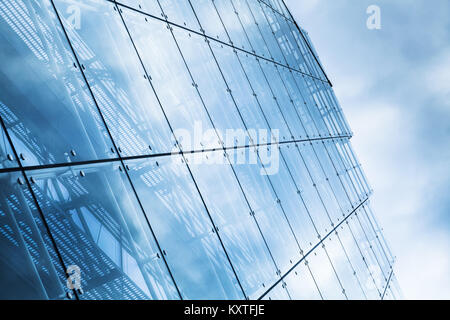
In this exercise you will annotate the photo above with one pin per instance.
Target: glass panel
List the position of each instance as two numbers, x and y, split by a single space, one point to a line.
147 6
321 181
237 228
290 46
302 62
209 19
368 273
328 101
280 7
389 295
379 234
241 91
311 64
298 101
283 100
282 37
278 293
265 96
118 80
395 288
326 113
232 24
212 87
357 260
352 162
292 205
340 198
183 228
266 31
172 82
344 268
338 176
325 275
250 27
47 110
303 87
7 158
98 226
349 185
375 242
307 190
29 265
301 284
269 215
375 261
180 12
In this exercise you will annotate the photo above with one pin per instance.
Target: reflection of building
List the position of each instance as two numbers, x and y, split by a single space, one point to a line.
92 97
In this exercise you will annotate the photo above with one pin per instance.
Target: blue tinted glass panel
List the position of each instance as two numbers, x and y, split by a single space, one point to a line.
301 284
325 275
247 20
98 226
242 92
308 191
7 158
184 229
47 110
298 101
265 96
208 16
173 84
283 99
344 268
212 87
119 83
266 31
148 6
268 212
180 12
232 24
236 226
29 265
279 292
365 269
286 189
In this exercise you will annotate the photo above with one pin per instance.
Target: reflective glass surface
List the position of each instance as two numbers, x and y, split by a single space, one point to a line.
98 226
48 110
177 149
118 80
7 157
29 264
184 228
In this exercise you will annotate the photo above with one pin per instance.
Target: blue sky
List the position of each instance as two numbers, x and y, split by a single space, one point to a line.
394 87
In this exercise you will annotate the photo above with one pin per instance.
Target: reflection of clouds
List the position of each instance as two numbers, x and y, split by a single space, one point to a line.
393 86
324 274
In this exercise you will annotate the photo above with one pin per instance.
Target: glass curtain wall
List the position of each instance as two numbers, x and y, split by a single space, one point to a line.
177 149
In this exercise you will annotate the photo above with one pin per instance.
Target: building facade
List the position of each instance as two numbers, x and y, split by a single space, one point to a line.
167 149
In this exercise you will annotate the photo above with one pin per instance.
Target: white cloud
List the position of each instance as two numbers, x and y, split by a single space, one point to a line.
394 87
424 268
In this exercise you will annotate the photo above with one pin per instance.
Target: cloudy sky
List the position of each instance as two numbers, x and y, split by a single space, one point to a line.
394 86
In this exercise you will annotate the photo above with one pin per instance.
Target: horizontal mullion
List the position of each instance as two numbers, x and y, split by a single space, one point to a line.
216 40
159 155
312 250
